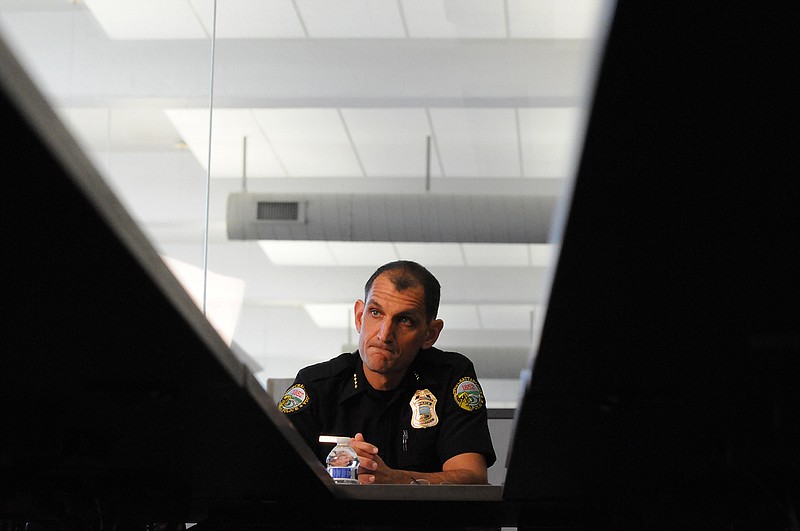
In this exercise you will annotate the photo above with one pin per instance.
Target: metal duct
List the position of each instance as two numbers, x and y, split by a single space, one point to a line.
390 217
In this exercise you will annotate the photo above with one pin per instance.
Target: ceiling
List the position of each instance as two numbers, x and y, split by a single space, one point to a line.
474 97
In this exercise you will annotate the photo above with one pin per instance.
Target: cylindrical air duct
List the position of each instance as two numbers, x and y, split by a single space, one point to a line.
390 217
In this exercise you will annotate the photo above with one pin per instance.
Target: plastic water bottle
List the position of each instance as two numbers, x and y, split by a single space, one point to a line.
342 461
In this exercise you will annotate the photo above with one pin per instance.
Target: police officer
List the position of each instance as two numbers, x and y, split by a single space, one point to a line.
416 414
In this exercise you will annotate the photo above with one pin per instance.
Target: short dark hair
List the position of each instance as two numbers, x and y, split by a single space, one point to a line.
407 274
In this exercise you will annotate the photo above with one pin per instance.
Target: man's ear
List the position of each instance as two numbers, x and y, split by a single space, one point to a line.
358 311
434 329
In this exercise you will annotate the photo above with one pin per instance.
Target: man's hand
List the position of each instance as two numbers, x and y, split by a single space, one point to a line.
370 464
468 468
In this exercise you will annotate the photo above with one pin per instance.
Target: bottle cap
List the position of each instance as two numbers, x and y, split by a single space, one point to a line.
334 439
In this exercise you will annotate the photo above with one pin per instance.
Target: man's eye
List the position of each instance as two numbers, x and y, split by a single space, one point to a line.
407 320
374 313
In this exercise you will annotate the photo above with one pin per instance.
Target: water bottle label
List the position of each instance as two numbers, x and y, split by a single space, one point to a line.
343 472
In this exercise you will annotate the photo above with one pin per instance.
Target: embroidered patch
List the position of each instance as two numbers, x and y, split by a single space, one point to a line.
468 394
294 399
423 409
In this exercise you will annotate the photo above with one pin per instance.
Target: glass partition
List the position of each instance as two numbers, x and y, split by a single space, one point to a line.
379 104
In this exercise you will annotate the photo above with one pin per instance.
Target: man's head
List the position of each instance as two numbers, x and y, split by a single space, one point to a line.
406 274
395 320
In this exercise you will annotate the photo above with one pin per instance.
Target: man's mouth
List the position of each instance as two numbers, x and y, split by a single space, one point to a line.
383 348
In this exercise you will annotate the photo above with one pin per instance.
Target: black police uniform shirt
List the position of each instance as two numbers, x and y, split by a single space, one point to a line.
437 412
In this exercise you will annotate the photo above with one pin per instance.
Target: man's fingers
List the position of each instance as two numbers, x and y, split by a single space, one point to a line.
360 445
368 464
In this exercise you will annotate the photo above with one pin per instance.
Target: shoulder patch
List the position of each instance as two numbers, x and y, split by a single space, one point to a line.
468 394
295 399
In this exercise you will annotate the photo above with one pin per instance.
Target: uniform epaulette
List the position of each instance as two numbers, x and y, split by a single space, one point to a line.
330 368
435 356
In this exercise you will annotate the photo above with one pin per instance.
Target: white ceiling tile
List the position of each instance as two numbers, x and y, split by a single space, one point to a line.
496 254
373 254
147 19
460 316
251 19
261 159
309 142
542 254
338 316
455 19
230 127
89 125
506 316
391 142
555 19
476 125
351 18
282 252
431 254
223 295
551 141
477 142
192 126
551 124
121 129
298 125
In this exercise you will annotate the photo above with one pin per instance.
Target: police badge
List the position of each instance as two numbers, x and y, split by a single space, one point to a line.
423 409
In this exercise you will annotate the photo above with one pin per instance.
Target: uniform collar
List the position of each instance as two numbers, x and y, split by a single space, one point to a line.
357 383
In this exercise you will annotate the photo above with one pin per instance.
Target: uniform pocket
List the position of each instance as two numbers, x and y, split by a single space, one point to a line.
418 449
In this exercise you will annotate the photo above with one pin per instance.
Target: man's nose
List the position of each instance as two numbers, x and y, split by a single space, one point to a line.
385 331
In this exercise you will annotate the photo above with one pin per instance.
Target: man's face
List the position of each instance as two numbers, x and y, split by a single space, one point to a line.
392 328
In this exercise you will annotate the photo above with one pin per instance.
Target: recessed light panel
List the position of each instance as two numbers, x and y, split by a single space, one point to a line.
147 19
287 253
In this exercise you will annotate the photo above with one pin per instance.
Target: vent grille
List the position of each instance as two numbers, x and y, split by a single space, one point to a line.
278 211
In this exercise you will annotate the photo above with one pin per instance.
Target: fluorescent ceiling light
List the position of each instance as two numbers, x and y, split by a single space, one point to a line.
429 254
250 19
147 19
283 253
373 254
349 19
